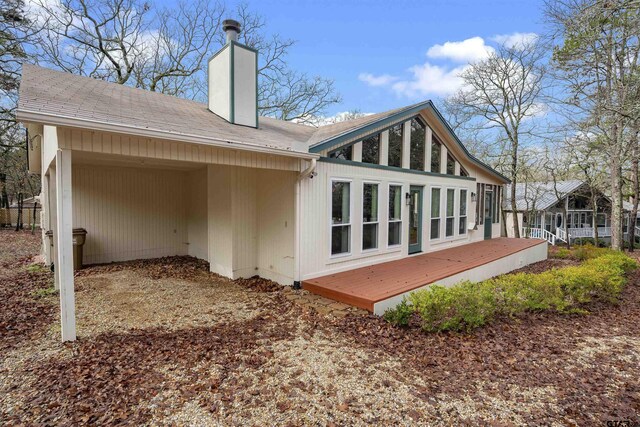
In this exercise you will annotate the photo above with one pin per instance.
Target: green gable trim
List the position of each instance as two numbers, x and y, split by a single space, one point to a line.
377 132
393 120
392 168
369 128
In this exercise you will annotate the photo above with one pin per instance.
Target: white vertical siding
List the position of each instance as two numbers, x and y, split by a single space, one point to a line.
276 222
196 213
244 223
111 143
129 213
220 220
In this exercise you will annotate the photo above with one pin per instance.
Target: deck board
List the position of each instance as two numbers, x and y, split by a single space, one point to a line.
364 286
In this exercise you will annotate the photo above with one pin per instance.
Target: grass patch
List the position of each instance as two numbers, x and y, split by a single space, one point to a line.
45 292
36 268
468 305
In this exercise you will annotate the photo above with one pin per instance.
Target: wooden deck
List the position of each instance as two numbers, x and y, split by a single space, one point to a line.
364 287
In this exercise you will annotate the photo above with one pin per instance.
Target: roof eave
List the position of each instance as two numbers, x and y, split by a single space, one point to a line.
28 116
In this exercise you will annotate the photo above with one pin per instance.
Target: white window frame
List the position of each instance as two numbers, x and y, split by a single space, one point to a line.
466 210
446 217
389 220
349 224
439 217
377 222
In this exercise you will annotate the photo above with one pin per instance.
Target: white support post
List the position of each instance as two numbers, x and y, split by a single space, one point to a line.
357 152
443 159
64 245
406 145
45 221
384 148
427 146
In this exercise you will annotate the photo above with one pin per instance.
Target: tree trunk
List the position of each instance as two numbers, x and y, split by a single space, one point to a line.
616 204
636 193
516 223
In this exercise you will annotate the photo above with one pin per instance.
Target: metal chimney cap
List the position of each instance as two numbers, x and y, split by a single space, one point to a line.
231 24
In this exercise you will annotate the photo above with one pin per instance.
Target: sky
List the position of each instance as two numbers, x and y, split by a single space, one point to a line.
386 54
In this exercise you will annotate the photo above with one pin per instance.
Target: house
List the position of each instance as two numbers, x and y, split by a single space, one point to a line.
545 209
150 175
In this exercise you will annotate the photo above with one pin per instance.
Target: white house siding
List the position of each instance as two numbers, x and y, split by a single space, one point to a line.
129 213
133 146
251 222
316 259
196 212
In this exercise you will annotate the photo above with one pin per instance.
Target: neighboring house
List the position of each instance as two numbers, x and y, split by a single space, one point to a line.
541 208
150 175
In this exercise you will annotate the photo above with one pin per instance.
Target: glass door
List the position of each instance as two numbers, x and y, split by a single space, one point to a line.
488 214
415 220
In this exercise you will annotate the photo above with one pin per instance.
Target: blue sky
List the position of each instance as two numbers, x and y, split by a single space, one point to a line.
370 47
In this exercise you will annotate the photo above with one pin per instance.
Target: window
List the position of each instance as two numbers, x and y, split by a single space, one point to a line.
451 165
418 135
448 232
395 218
395 146
340 217
463 171
436 151
435 213
462 222
371 150
344 153
369 216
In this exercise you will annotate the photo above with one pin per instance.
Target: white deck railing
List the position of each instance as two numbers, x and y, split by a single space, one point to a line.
561 235
588 232
541 233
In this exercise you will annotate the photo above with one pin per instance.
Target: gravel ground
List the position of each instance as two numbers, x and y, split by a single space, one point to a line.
164 342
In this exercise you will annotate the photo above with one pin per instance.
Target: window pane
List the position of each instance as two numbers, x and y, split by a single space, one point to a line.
394 233
435 155
435 228
371 150
344 153
370 203
450 197
340 239
369 236
340 203
462 228
463 172
435 203
418 132
395 200
463 202
451 165
395 146
449 227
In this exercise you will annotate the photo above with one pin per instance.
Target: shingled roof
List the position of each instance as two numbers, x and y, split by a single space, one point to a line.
57 98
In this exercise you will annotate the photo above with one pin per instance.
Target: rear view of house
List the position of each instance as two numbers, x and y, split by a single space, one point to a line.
149 175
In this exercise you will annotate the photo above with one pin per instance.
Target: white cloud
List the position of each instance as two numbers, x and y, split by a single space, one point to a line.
514 39
429 79
381 80
469 50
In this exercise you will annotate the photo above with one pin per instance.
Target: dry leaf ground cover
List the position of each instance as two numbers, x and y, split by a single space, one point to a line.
164 342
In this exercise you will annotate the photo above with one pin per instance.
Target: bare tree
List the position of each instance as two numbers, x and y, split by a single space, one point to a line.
597 60
499 94
166 50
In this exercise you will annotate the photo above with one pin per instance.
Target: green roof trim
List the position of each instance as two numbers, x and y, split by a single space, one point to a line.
389 121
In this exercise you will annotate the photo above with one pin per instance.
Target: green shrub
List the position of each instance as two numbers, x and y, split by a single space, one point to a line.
560 253
399 315
470 305
585 252
462 307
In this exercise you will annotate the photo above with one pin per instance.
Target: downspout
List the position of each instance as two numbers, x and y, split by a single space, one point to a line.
308 172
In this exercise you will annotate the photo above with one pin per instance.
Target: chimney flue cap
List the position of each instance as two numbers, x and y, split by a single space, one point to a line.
231 25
